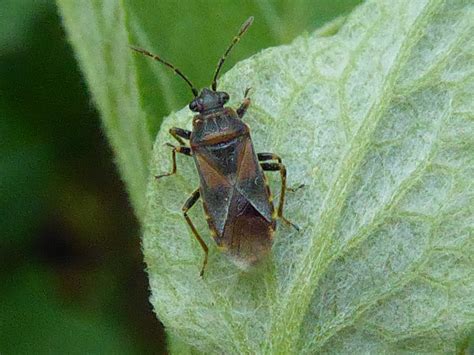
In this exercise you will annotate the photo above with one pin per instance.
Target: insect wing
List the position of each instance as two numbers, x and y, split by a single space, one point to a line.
251 181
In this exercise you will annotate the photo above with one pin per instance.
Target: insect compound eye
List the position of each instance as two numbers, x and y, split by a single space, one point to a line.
194 106
224 97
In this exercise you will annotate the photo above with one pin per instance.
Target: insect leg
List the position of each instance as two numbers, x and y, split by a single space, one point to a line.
294 189
271 156
179 149
179 133
245 104
281 168
187 205
268 156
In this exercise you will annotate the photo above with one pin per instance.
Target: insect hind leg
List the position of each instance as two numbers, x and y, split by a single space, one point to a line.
282 169
190 202
271 156
268 156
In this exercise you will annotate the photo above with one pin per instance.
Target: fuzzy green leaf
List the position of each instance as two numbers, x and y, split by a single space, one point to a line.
377 122
98 33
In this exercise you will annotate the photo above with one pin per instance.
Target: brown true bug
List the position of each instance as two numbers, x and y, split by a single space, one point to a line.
236 197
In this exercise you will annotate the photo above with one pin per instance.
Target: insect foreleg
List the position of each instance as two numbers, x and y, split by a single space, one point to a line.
187 205
281 168
179 133
179 149
245 105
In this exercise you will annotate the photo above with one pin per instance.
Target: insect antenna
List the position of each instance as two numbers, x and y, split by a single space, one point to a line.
236 39
169 65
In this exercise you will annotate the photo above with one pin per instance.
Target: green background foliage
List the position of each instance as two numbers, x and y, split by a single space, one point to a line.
70 257
71 269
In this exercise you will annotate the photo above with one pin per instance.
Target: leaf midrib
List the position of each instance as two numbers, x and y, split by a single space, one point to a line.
292 312
398 194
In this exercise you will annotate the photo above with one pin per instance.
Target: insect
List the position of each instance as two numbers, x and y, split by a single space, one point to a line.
236 197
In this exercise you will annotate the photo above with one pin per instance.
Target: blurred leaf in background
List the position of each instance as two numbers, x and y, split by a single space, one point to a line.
71 271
